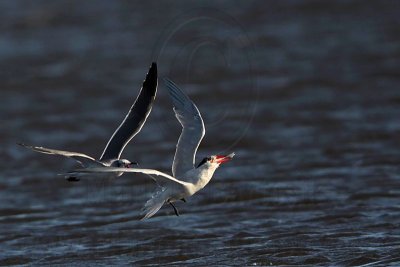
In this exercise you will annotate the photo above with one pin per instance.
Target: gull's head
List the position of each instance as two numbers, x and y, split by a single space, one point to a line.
124 163
215 160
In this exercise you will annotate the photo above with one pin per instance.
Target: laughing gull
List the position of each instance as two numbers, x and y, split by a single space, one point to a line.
130 126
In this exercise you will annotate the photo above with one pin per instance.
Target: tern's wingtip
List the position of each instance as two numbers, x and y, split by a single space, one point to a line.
145 217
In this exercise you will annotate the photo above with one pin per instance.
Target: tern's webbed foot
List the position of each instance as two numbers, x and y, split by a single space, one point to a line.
73 179
175 209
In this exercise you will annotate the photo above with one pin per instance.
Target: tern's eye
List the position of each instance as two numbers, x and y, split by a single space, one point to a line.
203 161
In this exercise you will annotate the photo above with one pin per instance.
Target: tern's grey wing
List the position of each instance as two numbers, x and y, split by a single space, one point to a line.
83 159
161 178
136 117
192 133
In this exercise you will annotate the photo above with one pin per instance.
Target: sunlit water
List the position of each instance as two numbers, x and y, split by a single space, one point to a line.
306 93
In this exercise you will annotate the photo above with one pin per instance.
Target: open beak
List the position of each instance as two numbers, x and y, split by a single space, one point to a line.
222 159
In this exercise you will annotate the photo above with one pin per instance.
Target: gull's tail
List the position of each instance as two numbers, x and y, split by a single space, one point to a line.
154 203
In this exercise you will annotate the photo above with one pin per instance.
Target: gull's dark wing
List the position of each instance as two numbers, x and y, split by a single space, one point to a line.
193 130
136 117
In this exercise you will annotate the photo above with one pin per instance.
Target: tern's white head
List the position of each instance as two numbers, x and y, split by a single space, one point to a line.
206 168
214 161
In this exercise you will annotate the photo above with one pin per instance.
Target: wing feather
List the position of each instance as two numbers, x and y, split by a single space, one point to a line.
193 130
83 159
136 117
160 177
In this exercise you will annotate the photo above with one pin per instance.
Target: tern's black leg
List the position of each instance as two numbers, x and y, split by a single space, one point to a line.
184 200
175 209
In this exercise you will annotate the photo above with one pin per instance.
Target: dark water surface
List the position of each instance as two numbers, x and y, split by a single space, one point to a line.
307 93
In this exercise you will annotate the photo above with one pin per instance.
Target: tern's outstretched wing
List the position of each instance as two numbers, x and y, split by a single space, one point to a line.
192 133
136 117
83 159
160 177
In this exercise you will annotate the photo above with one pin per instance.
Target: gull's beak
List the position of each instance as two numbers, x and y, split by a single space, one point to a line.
222 159
132 164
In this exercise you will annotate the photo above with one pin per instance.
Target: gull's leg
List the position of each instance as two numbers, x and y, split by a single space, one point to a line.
72 179
184 200
175 209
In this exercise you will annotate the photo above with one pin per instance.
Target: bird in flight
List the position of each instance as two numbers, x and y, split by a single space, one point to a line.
130 126
186 178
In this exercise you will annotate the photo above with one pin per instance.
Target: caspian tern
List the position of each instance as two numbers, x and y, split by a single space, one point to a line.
187 178
130 126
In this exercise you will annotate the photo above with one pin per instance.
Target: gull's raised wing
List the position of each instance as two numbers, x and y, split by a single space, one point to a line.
192 133
83 159
136 117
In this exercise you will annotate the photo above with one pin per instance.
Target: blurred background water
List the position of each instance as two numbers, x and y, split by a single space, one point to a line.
305 92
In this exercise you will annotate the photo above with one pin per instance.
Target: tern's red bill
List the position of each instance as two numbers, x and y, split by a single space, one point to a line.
222 159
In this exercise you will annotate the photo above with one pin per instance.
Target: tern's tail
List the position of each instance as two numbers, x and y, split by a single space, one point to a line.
154 204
